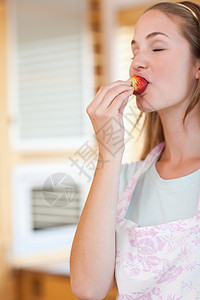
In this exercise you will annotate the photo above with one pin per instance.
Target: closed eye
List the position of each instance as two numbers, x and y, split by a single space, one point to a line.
157 50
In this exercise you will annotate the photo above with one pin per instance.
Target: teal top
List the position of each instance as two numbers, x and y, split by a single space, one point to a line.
156 200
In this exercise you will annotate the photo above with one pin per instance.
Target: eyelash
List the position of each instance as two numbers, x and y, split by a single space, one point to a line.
156 50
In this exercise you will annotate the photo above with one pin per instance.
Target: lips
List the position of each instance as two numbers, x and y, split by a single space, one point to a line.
139 83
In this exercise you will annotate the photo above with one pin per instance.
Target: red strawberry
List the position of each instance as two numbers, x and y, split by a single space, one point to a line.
139 84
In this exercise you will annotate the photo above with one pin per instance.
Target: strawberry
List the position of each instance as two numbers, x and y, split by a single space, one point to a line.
139 84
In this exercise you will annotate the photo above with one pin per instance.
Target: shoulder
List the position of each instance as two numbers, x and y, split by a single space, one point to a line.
127 170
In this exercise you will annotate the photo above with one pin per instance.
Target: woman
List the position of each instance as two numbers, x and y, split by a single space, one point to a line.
149 239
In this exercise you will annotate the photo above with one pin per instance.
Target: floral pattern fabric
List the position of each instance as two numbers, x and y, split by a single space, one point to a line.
160 262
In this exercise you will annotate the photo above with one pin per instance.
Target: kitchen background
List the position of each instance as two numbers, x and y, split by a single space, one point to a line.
54 56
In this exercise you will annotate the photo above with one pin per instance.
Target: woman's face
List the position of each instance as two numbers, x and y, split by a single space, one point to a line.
162 56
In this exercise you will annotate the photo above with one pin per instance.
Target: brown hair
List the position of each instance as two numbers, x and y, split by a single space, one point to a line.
189 16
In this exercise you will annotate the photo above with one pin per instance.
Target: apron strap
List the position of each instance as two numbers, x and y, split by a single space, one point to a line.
124 200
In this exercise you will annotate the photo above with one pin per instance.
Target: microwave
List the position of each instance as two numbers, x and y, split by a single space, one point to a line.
46 200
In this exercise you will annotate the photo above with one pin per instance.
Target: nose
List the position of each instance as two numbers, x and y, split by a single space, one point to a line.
138 64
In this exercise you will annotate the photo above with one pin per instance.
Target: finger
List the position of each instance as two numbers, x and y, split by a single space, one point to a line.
104 90
120 102
112 94
123 105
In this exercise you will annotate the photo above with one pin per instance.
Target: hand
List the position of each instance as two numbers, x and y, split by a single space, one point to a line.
106 114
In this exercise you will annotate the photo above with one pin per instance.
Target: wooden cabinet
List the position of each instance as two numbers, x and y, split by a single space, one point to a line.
112 294
41 286
34 285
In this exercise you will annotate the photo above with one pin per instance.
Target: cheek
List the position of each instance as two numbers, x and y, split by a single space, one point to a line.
173 75
131 71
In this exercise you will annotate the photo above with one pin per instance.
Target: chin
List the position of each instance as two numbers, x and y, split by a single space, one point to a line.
144 106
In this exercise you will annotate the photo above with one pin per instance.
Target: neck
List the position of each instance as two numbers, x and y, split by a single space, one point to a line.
182 140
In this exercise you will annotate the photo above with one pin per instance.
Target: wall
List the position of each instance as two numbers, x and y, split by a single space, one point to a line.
6 275
9 157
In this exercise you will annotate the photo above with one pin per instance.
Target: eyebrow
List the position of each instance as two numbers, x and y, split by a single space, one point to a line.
151 35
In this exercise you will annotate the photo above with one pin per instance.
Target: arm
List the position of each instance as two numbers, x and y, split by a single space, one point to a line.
92 259
93 251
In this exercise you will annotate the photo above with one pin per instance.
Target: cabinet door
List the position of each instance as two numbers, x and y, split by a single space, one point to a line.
58 287
41 286
31 286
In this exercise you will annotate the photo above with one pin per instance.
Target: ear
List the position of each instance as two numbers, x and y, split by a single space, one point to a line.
198 69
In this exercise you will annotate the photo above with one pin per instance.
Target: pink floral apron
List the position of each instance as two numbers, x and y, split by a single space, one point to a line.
160 262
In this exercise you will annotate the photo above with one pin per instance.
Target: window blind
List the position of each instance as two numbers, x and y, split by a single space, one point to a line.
50 88
50 70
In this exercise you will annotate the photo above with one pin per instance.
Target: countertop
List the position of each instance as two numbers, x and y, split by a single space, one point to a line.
56 263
